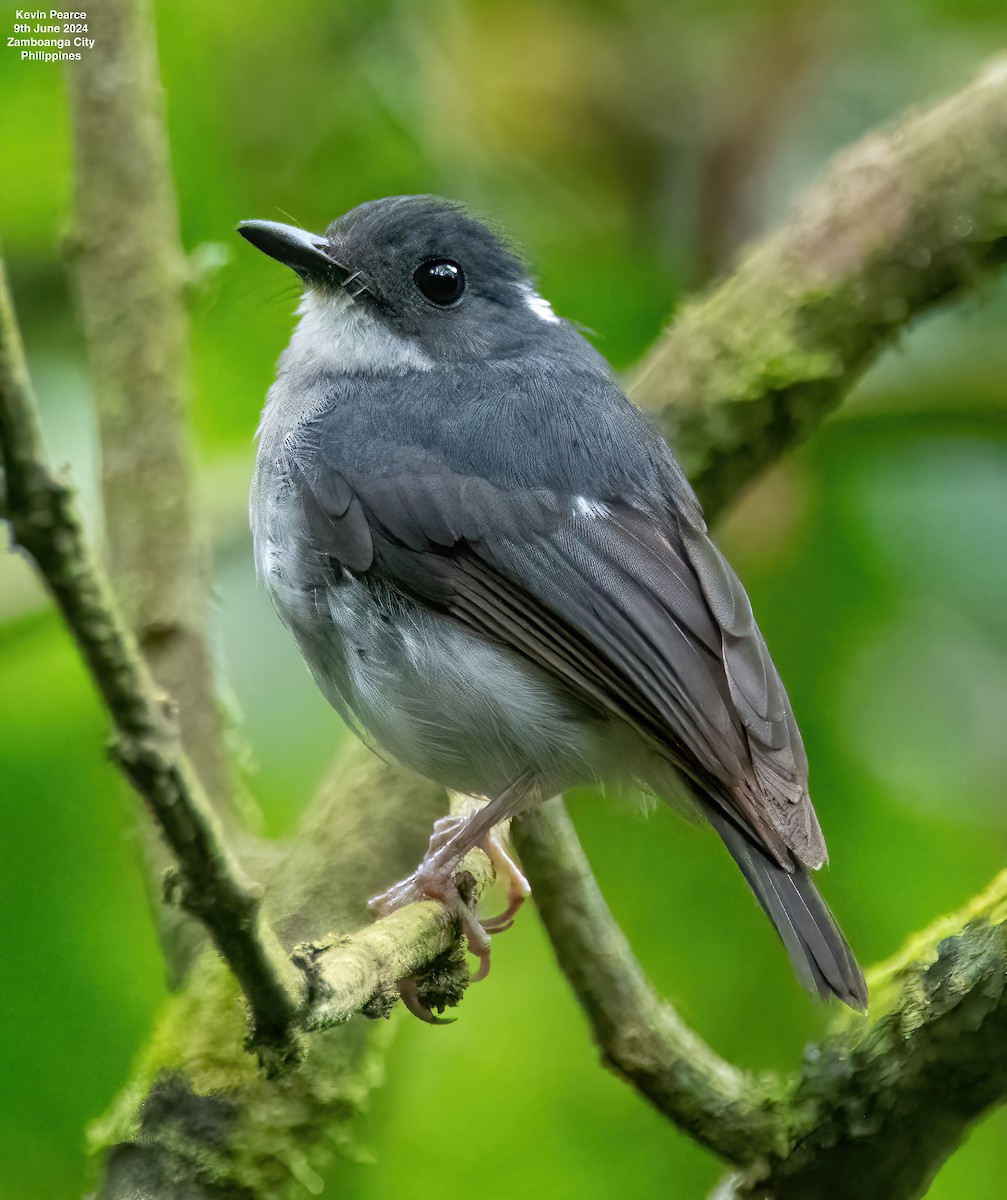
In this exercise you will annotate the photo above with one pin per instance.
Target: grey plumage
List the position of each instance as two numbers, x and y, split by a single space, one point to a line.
494 566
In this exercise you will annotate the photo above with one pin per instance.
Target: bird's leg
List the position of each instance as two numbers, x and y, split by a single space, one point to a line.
453 837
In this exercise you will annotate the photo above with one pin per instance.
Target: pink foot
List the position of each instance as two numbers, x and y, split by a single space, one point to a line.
434 879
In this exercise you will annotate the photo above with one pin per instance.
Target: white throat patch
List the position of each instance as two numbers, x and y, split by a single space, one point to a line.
337 336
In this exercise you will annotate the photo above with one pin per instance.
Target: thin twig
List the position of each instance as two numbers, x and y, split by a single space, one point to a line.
46 524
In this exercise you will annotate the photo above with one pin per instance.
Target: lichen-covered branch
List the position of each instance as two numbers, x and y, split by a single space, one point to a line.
885 1101
272 1137
361 972
131 276
46 524
908 217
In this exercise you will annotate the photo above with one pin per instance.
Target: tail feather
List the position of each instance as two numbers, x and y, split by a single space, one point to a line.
820 954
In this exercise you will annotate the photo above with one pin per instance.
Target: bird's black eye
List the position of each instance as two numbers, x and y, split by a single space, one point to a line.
440 280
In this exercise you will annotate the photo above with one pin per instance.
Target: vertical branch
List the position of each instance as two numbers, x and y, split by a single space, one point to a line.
131 274
210 884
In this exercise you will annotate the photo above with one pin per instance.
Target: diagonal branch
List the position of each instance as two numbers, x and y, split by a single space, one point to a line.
130 276
45 524
886 1101
640 1036
905 219
345 974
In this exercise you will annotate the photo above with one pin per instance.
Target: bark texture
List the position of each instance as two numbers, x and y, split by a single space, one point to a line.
907 218
131 276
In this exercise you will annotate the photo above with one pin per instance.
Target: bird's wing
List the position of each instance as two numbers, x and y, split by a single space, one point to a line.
633 611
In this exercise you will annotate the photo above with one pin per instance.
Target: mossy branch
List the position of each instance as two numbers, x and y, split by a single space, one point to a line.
884 1099
880 1104
363 971
130 276
905 219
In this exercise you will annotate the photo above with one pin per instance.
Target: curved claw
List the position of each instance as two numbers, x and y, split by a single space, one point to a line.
410 998
498 924
506 870
477 939
483 955
505 919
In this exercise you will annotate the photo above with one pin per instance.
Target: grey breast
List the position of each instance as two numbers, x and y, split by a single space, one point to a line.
410 681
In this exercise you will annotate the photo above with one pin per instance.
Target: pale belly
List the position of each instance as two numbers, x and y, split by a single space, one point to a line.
422 689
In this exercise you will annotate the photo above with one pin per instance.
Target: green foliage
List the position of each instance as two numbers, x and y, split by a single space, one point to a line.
874 556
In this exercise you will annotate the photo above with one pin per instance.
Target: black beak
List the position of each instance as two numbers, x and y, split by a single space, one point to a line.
306 253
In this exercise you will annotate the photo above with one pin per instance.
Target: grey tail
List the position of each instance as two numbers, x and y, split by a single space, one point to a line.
821 956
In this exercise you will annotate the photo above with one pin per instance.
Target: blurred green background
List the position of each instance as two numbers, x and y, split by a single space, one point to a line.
629 146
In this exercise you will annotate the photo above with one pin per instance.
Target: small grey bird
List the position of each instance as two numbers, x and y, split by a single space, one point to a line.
497 572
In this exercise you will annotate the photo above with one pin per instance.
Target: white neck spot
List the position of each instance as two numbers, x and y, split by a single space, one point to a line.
538 304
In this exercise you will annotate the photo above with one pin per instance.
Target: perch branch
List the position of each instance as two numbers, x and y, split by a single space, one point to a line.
360 972
45 523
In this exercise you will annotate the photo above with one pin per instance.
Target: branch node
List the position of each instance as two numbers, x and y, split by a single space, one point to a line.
276 1054
445 981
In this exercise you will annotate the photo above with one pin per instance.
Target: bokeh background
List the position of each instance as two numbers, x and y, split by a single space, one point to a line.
630 146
